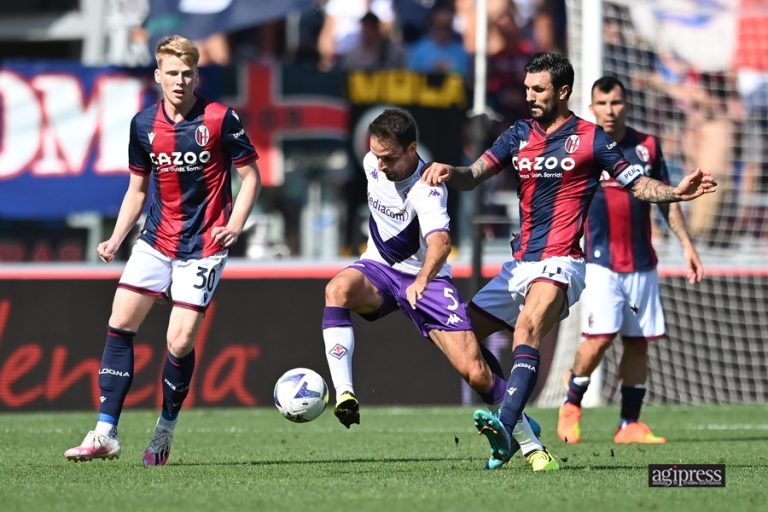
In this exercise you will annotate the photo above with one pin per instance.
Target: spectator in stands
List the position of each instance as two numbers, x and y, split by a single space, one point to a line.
750 63
413 18
441 49
341 30
708 131
376 50
506 62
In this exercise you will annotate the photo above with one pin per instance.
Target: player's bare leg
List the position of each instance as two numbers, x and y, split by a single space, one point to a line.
348 291
588 356
633 371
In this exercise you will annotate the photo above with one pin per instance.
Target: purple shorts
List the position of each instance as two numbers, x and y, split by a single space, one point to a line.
440 307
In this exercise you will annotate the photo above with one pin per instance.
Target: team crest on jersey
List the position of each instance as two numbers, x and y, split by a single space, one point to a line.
572 144
151 137
642 153
202 135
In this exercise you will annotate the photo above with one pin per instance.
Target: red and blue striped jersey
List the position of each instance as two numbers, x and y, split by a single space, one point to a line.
558 173
618 234
190 162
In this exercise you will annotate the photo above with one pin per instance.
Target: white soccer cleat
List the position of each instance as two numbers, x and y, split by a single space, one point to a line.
95 446
159 448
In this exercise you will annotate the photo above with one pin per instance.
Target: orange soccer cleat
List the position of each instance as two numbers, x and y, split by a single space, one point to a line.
637 432
568 423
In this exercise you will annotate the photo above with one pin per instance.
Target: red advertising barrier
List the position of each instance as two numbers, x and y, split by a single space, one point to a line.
261 323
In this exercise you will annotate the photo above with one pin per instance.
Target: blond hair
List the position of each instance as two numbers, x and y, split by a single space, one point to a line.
178 46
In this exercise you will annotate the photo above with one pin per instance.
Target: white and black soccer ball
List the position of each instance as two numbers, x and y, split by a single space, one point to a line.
301 395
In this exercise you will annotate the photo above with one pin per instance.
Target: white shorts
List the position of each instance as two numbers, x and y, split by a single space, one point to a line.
190 283
504 296
627 303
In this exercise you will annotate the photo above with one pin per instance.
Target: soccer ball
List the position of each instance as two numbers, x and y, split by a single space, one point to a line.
301 395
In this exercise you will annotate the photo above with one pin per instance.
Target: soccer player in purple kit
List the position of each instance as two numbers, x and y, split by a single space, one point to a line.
404 267
187 145
622 294
559 159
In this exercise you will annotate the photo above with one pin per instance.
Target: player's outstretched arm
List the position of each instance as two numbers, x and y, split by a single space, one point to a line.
690 187
130 211
460 178
246 198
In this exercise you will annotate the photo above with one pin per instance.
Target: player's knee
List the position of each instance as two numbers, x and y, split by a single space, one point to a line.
180 344
121 322
337 293
597 343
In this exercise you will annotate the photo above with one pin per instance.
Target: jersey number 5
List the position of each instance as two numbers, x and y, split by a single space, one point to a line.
448 293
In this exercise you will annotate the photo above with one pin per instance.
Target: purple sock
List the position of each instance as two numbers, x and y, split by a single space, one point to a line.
336 317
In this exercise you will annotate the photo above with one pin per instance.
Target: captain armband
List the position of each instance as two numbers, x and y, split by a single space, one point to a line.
628 175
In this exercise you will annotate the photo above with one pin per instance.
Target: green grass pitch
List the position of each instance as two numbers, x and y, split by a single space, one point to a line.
400 458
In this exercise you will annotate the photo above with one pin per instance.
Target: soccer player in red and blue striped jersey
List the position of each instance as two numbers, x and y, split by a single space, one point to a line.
622 294
559 159
186 145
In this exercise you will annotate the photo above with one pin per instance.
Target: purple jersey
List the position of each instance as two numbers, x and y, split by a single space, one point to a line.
190 163
618 232
559 173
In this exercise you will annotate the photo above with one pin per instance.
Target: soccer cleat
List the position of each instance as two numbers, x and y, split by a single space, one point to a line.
637 432
542 460
95 446
489 425
347 409
494 463
568 423
159 448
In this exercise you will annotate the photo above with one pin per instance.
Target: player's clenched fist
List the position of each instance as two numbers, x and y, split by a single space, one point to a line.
107 251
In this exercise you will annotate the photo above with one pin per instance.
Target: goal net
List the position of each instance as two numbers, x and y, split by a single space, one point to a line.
697 77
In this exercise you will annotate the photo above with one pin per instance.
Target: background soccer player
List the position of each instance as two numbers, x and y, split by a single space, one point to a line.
404 267
622 294
187 145
559 159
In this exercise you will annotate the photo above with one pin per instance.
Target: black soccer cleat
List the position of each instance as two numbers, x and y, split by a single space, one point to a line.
347 409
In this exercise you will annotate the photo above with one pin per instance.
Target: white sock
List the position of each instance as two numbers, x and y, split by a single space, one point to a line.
169 425
523 434
107 429
339 347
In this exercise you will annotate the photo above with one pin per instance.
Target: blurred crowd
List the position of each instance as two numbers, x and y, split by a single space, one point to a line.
708 107
707 102
421 35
